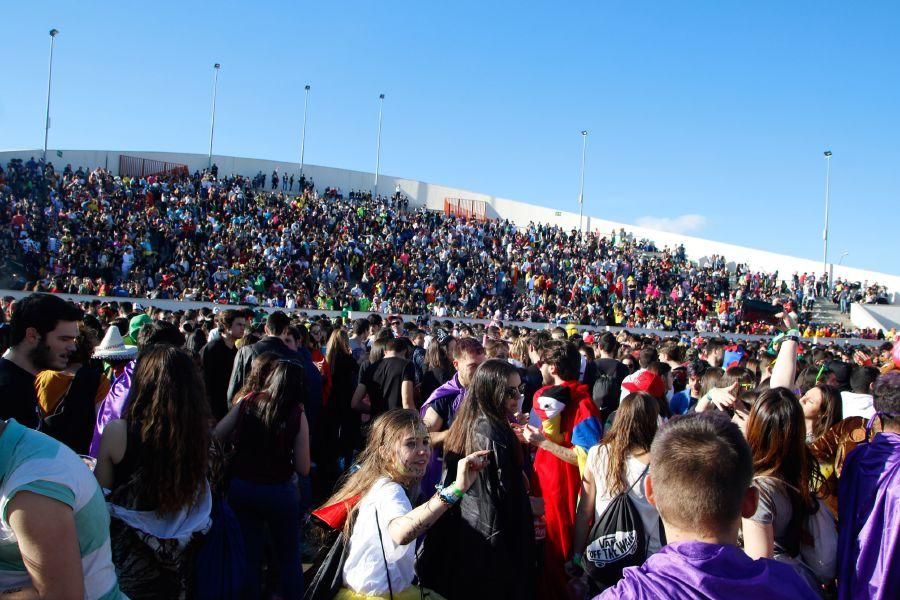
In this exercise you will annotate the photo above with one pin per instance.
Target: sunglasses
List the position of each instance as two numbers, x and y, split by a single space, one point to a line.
514 391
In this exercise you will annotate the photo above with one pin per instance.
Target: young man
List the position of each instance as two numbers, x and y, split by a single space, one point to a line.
43 333
699 481
276 330
558 464
868 553
858 402
607 364
441 407
359 339
54 534
217 359
390 382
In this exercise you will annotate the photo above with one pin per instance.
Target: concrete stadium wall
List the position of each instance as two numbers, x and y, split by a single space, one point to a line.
175 305
432 196
878 316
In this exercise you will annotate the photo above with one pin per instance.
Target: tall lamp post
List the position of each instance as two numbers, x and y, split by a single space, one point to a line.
825 231
53 33
212 124
378 142
303 136
584 134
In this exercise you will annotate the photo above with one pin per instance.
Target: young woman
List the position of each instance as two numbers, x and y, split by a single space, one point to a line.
438 365
821 409
271 441
486 550
343 422
383 526
155 461
617 464
260 370
785 472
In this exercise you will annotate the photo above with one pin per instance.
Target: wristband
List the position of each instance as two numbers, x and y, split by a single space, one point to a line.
448 496
454 489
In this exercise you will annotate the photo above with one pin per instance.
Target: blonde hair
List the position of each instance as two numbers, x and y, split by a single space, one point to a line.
377 460
339 342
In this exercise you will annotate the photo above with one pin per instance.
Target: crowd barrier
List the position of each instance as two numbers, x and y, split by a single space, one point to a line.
134 166
174 305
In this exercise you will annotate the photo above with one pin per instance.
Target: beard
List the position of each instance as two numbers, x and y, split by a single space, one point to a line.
42 358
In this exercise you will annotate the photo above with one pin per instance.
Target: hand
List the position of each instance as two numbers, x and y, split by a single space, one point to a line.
724 397
533 435
517 429
522 418
860 358
467 468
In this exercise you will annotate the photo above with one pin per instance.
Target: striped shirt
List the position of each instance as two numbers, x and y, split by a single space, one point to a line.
33 462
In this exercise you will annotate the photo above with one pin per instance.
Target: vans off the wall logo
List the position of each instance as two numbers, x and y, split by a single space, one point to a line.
611 548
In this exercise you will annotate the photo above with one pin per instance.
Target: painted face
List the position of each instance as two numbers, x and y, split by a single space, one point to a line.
513 394
466 367
812 403
413 452
54 348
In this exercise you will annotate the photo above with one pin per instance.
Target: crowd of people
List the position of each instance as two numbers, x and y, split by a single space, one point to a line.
147 453
231 240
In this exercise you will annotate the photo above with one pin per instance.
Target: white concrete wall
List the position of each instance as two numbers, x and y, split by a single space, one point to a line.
878 316
175 305
432 196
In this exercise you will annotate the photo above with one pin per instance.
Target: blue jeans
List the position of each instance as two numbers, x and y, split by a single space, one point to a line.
278 506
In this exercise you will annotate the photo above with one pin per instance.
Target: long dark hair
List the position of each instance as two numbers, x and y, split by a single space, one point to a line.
637 420
167 405
486 397
776 433
831 409
286 389
260 370
436 357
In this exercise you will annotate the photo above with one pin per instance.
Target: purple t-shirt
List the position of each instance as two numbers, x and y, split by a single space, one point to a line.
696 570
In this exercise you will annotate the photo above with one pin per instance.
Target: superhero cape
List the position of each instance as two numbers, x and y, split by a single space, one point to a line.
869 522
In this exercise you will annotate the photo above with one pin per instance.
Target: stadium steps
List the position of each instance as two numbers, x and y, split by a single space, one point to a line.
826 311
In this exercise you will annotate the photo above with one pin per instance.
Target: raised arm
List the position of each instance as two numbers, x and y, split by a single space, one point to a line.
785 370
405 529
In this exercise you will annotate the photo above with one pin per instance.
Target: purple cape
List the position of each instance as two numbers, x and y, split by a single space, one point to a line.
694 570
869 504
453 388
112 406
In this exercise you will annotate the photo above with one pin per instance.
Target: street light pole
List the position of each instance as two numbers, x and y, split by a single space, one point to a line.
581 188
827 199
303 137
53 33
212 124
378 143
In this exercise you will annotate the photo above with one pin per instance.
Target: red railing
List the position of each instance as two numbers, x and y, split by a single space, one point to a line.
134 166
469 209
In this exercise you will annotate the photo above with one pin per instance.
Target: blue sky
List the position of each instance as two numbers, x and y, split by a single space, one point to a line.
719 109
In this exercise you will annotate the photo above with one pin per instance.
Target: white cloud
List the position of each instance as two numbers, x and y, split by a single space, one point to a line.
680 224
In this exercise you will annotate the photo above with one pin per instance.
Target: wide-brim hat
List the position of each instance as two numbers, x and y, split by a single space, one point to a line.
113 347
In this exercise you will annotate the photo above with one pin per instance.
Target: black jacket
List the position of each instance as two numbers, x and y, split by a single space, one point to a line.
244 359
484 547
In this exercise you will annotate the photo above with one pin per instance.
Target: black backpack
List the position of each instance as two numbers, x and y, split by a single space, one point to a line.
617 540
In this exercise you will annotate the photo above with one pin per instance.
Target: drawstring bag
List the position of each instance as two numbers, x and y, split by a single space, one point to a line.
617 540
